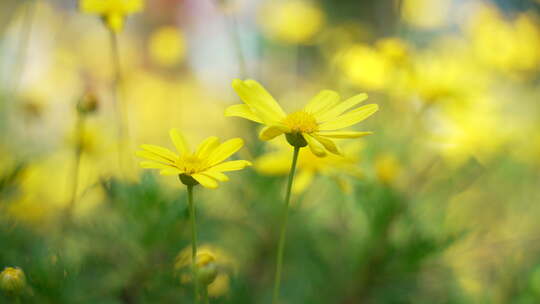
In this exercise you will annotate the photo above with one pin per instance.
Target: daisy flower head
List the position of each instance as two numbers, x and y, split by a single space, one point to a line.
316 125
113 12
203 166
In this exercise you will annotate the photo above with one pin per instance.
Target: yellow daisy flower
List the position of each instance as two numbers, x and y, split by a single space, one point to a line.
205 166
314 126
113 12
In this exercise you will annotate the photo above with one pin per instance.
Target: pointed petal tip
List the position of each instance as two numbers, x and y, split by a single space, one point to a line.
319 153
239 140
228 111
237 82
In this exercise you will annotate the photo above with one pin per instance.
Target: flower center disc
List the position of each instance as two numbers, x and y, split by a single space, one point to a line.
301 121
190 164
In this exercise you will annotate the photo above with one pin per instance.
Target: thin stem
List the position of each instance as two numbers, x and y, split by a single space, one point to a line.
205 294
283 232
123 131
79 133
193 242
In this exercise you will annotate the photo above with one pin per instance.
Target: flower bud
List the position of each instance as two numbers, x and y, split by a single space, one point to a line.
12 279
387 168
88 103
206 268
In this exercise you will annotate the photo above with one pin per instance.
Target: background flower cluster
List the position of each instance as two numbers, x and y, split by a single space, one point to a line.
439 205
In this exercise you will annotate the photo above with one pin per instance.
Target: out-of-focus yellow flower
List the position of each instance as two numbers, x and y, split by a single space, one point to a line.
309 165
394 49
205 166
446 74
94 140
365 67
291 21
214 267
462 132
517 42
12 279
382 66
113 12
167 46
314 125
427 14
45 187
387 168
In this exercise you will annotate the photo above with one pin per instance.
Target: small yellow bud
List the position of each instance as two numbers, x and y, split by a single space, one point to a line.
387 168
206 268
12 279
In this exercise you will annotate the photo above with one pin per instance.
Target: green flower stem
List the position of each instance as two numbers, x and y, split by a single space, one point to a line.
122 123
281 245
193 242
79 133
205 294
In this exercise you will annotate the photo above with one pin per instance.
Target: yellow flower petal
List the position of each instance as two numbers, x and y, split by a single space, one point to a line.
225 150
205 180
170 171
259 100
216 175
322 101
233 165
269 132
344 134
328 144
350 118
179 142
315 147
152 156
242 110
160 151
323 116
269 101
154 165
207 146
